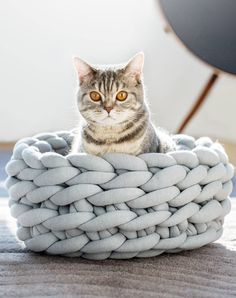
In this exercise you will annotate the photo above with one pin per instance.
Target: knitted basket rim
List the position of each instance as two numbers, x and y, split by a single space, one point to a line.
117 205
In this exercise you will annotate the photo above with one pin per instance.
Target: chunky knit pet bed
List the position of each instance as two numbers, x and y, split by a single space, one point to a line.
119 205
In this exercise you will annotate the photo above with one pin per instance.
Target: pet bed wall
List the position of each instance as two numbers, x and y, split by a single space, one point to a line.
118 205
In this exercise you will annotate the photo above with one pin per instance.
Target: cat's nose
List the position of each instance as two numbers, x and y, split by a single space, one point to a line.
108 109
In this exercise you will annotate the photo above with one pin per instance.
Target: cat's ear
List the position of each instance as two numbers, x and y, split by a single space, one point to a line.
134 68
83 69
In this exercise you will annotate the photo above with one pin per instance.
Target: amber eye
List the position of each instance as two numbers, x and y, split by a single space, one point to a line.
121 96
95 96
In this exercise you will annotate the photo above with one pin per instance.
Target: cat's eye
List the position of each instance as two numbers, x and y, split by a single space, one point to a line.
121 96
95 96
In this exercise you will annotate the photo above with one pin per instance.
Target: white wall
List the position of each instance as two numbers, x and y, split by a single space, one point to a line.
37 80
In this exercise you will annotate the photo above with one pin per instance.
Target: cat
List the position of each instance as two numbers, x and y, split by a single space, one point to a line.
115 115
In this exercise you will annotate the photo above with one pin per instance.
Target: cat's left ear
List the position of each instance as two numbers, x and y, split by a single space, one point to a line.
83 69
134 68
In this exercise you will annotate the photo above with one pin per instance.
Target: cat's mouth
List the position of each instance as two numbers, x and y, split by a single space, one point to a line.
108 116
108 119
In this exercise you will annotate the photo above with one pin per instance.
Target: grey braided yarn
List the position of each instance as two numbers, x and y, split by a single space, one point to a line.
117 206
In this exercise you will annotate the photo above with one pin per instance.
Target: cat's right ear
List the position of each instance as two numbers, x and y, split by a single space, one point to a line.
83 69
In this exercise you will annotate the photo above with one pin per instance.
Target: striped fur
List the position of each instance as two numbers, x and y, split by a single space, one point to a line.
127 128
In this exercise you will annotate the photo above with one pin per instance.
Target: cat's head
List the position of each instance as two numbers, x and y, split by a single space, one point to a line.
110 95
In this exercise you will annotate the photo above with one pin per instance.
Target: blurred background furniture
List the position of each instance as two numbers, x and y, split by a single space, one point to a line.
207 29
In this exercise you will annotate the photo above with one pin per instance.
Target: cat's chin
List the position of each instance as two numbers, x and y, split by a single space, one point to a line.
109 120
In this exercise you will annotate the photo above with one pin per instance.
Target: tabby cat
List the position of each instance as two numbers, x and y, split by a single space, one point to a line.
115 115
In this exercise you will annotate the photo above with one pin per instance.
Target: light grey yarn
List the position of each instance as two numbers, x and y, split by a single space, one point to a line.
117 206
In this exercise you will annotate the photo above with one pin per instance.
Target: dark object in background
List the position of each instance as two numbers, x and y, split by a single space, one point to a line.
208 29
5 155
